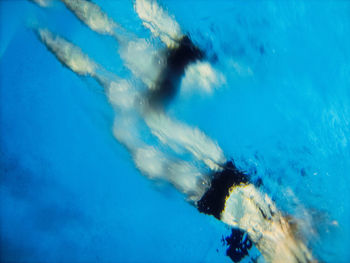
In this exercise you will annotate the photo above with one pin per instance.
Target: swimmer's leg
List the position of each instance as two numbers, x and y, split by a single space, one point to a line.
159 22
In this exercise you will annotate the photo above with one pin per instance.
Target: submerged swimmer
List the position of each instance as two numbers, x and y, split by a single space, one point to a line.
220 189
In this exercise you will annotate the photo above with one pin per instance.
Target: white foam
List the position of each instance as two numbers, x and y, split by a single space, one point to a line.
157 20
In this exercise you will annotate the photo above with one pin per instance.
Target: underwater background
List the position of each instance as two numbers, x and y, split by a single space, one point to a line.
69 191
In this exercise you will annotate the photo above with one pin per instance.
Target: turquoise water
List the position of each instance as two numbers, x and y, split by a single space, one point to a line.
70 192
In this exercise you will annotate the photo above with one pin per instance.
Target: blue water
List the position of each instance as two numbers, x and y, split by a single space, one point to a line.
70 193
